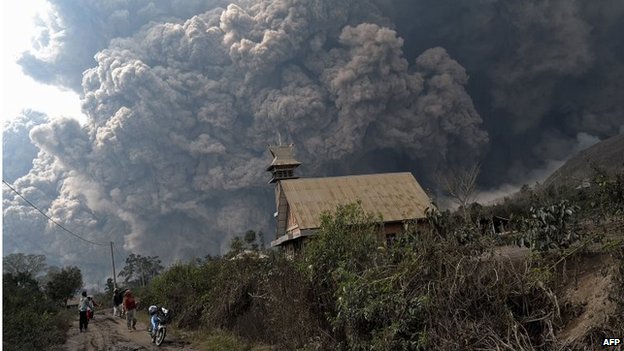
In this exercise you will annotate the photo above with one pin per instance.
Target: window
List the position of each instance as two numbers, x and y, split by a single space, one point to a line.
284 173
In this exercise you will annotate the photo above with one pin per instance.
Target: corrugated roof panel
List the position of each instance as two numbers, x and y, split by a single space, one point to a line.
396 196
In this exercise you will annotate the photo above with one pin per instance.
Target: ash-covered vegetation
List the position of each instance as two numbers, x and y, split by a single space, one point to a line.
443 286
34 313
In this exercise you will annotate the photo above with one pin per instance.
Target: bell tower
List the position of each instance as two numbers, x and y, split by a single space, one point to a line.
283 165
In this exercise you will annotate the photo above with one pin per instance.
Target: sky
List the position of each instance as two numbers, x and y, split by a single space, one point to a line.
20 91
180 99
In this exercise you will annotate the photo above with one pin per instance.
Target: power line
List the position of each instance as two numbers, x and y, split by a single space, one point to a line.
52 220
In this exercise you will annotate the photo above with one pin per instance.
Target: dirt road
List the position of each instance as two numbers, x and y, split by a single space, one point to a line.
108 333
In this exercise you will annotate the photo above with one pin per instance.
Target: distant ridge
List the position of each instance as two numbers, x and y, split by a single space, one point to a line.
607 154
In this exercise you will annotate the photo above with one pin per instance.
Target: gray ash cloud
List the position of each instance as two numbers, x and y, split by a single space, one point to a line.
183 97
541 72
21 152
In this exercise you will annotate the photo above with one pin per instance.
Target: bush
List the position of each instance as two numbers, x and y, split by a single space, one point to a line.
436 287
180 289
221 340
30 321
550 227
240 295
430 290
346 244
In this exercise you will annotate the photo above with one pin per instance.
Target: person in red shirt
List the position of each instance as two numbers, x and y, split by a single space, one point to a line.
91 310
130 306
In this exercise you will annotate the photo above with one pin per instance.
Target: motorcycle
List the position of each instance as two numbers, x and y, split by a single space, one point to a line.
162 317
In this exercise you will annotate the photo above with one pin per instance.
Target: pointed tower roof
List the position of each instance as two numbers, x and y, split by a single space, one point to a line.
282 156
283 165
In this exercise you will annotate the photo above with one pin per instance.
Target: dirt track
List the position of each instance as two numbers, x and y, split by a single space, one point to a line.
108 333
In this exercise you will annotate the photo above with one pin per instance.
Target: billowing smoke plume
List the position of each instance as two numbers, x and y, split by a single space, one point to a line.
183 97
74 30
541 71
21 152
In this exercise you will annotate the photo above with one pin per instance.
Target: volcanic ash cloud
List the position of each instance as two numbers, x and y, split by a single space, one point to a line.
180 112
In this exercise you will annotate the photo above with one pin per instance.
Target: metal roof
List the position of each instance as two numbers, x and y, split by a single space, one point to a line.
396 196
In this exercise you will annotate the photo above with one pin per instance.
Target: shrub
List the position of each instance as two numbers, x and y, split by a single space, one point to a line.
437 287
30 321
180 289
240 296
430 290
245 296
550 227
346 243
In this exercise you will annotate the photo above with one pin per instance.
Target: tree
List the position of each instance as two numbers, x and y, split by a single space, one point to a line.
251 241
21 263
50 271
236 247
345 243
252 238
64 284
110 286
20 296
30 321
140 269
21 280
460 185
261 240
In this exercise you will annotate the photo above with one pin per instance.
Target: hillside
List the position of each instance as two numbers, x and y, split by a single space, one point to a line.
607 154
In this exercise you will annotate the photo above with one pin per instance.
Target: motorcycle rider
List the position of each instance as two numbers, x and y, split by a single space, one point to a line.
153 312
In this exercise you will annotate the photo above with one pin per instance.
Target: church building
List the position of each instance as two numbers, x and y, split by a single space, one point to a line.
397 197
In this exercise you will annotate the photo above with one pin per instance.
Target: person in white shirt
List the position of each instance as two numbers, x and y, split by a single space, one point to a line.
83 306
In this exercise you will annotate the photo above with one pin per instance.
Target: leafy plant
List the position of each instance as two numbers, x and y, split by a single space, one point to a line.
26 312
550 227
346 243
64 284
608 193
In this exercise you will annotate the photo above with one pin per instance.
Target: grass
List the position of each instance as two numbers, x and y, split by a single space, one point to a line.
142 317
208 340
221 340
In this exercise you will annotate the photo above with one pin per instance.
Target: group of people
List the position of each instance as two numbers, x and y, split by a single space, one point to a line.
124 304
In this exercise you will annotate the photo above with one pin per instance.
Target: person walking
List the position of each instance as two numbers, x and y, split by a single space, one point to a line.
122 312
91 310
117 301
83 306
130 305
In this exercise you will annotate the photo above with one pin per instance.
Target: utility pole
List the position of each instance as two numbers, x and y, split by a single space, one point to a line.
113 260
142 274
